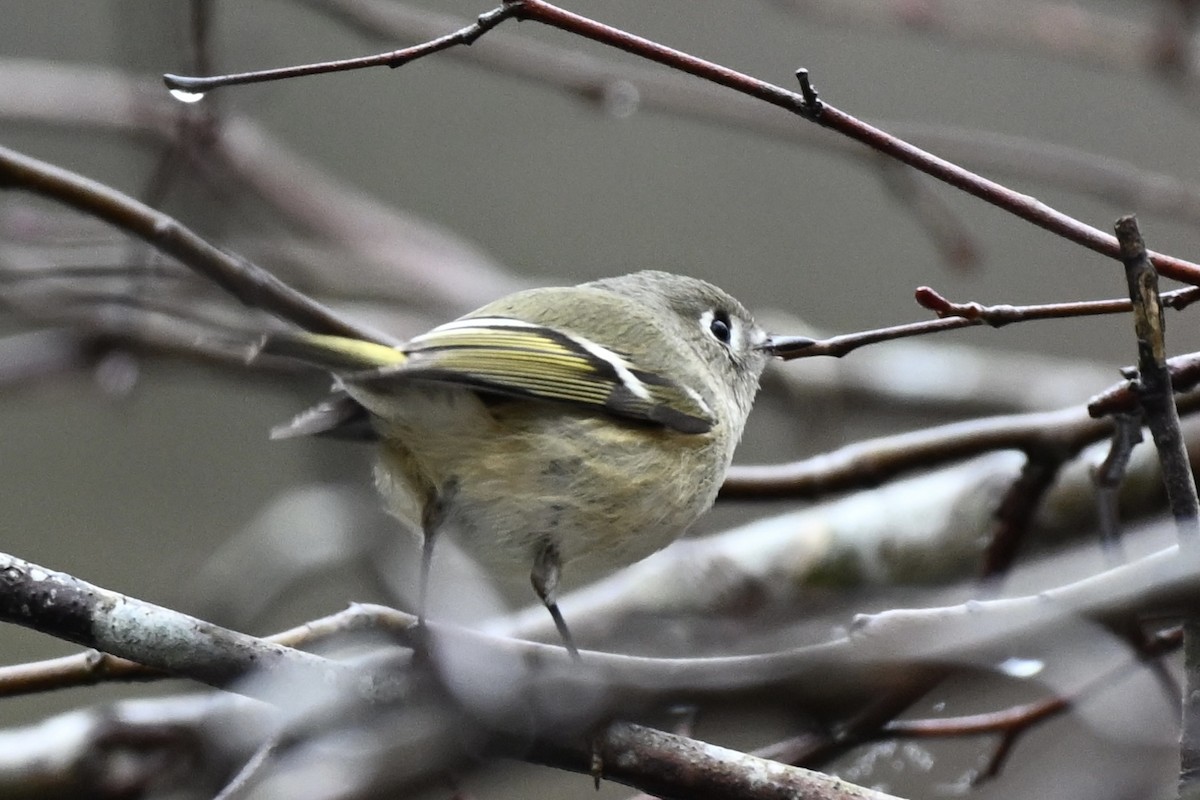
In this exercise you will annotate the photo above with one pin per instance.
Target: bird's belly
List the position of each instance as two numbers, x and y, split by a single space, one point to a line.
595 506
604 493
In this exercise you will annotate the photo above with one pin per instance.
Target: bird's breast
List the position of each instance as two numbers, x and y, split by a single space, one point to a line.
512 474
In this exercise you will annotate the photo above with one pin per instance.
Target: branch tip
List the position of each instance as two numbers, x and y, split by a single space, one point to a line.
1129 237
182 83
812 101
929 298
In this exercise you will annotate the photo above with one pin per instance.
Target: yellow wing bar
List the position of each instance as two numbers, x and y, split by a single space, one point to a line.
514 358
338 354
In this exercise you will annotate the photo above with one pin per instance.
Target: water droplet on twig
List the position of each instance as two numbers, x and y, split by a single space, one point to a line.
187 97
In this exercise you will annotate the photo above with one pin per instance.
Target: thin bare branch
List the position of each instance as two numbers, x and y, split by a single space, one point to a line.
1000 315
953 316
201 85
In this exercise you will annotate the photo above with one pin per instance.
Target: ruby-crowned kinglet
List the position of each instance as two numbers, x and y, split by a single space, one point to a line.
593 421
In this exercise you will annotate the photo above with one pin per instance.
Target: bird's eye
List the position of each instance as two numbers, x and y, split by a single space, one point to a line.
719 327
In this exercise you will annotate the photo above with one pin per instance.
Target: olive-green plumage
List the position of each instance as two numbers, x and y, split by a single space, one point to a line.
587 423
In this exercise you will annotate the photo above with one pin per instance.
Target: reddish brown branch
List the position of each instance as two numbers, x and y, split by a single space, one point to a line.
1000 315
396 58
974 724
1009 723
953 316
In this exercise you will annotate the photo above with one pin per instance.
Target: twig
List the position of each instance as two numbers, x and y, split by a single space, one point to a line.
843 344
66 672
953 316
1010 723
1000 315
396 58
253 766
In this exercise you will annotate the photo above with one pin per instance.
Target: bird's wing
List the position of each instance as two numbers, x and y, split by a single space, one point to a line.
509 357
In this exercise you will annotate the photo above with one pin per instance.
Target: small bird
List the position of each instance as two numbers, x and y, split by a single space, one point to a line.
592 422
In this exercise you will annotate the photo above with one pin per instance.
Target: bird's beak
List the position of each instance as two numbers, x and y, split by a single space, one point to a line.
786 347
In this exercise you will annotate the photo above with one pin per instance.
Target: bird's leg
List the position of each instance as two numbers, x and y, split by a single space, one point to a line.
596 763
544 577
423 580
431 520
420 639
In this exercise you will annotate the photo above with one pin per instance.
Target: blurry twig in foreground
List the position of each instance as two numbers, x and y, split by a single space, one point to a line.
856 665
923 644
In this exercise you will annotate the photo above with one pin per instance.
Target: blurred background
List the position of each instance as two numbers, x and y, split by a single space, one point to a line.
409 196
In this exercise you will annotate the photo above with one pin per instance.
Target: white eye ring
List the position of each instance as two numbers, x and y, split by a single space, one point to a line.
718 325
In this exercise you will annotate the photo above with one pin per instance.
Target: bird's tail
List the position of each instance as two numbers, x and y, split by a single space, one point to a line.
337 354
